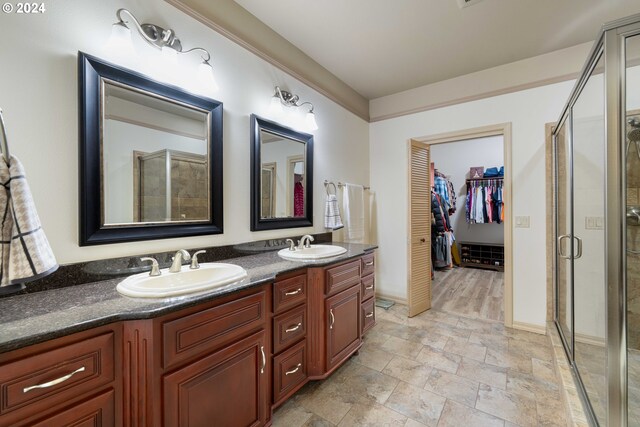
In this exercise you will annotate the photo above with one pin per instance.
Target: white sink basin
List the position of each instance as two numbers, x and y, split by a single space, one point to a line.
314 252
208 276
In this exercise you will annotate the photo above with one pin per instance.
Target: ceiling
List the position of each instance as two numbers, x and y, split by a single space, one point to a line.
381 47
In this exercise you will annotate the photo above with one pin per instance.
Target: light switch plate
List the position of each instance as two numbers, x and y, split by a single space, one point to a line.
594 223
523 222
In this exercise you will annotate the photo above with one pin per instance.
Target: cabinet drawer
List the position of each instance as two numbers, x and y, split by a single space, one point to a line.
342 277
289 327
41 381
368 314
289 293
368 287
289 371
98 411
368 264
210 329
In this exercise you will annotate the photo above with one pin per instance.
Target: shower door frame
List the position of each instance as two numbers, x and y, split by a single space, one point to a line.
611 44
597 52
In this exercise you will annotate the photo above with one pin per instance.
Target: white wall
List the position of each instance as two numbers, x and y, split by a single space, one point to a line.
38 93
454 160
528 111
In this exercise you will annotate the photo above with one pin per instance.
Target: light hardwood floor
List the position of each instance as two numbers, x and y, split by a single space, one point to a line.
470 292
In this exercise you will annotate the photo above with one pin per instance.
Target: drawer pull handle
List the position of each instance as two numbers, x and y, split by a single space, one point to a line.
53 382
369 315
368 287
368 264
264 360
333 319
293 371
295 328
296 292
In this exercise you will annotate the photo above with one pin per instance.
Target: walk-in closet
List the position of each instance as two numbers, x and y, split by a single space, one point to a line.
467 227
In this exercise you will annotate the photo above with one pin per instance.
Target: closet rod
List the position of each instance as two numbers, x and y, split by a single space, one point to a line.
486 179
340 184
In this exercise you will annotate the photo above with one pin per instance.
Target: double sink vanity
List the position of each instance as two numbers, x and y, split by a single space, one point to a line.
224 356
206 344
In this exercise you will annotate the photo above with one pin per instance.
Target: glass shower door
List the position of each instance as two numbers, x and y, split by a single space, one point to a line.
589 254
564 282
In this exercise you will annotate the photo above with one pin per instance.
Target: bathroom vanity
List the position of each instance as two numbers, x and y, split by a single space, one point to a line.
226 357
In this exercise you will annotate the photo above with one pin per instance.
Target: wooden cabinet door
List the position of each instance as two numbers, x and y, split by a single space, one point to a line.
343 325
226 388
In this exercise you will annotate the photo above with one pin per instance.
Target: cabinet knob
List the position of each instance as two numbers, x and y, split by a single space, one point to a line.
423 240
369 315
296 292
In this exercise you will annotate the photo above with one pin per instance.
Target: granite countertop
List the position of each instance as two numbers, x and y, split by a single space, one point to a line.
32 318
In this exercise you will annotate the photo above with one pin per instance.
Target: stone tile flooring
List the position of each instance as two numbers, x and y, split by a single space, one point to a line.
435 369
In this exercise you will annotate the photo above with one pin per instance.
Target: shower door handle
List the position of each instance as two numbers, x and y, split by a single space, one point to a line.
578 247
560 252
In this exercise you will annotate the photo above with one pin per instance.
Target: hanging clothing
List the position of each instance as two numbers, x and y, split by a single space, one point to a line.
485 203
441 216
298 199
441 187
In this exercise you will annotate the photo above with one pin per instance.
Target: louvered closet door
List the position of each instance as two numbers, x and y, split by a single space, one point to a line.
419 293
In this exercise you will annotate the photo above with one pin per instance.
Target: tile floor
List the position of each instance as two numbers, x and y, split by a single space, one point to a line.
435 369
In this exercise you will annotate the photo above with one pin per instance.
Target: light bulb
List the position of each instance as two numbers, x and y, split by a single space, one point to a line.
206 79
119 46
275 107
310 121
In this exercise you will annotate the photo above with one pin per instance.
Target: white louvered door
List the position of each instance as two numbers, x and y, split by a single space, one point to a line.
419 274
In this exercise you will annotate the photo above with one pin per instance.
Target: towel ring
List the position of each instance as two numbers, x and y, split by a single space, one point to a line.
326 188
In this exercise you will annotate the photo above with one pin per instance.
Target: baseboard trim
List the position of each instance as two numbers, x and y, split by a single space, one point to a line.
530 327
397 300
591 340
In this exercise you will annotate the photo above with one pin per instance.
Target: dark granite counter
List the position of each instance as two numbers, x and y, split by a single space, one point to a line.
36 317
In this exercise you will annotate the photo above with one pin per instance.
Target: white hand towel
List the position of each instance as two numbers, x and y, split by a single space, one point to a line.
353 205
26 254
332 220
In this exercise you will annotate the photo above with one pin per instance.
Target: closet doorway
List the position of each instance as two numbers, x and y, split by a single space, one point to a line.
480 289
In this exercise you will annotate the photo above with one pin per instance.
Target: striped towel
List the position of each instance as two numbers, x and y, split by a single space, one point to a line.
332 220
26 254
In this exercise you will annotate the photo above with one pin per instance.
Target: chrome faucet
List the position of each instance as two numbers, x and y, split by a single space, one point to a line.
180 255
305 241
292 245
155 268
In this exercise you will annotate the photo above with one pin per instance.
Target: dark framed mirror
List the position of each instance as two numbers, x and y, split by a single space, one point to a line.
150 157
281 176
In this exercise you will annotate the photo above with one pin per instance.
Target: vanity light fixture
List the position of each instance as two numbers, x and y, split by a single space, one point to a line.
282 97
162 39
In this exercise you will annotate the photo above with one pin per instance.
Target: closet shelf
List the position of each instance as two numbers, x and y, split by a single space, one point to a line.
495 178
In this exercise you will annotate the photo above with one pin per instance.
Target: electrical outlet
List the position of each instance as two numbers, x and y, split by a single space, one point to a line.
523 221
